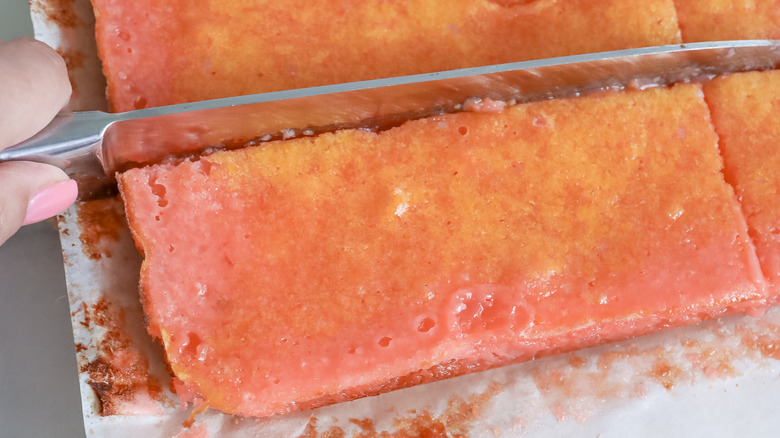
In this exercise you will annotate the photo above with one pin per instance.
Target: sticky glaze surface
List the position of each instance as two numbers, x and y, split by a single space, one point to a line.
319 270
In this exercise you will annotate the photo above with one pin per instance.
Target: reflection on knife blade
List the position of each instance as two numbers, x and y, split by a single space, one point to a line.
92 146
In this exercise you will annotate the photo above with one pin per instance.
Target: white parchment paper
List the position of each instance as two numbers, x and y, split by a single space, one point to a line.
719 378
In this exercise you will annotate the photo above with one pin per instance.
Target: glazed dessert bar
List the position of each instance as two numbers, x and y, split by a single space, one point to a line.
718 20
317 270
744 108
157 53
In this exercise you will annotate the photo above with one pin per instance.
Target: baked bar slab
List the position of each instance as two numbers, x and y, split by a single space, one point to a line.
318 270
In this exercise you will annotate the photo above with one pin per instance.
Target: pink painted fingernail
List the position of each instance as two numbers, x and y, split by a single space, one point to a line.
51 200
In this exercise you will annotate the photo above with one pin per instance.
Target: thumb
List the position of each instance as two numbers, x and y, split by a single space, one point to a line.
31 192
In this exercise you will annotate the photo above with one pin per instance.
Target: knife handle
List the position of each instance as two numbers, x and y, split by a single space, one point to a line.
72 142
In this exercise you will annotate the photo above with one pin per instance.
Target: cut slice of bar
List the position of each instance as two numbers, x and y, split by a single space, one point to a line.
744 110
716 20
318 270
159 53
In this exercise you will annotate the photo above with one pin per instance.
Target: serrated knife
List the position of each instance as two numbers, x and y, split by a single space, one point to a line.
92 146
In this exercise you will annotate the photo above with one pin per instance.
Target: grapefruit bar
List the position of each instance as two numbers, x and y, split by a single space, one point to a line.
744 109
317 270
161 53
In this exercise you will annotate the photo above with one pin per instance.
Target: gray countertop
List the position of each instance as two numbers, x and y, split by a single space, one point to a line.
39 392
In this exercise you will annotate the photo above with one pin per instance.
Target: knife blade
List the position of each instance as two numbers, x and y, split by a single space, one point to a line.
92 146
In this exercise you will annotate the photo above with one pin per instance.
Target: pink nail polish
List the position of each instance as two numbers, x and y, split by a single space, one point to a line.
50 201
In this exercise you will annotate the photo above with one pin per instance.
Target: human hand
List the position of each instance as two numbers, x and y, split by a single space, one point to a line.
34 86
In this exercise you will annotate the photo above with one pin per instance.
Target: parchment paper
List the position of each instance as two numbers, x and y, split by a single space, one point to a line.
719 378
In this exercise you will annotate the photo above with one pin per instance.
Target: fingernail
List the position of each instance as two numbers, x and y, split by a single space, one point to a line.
50 201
